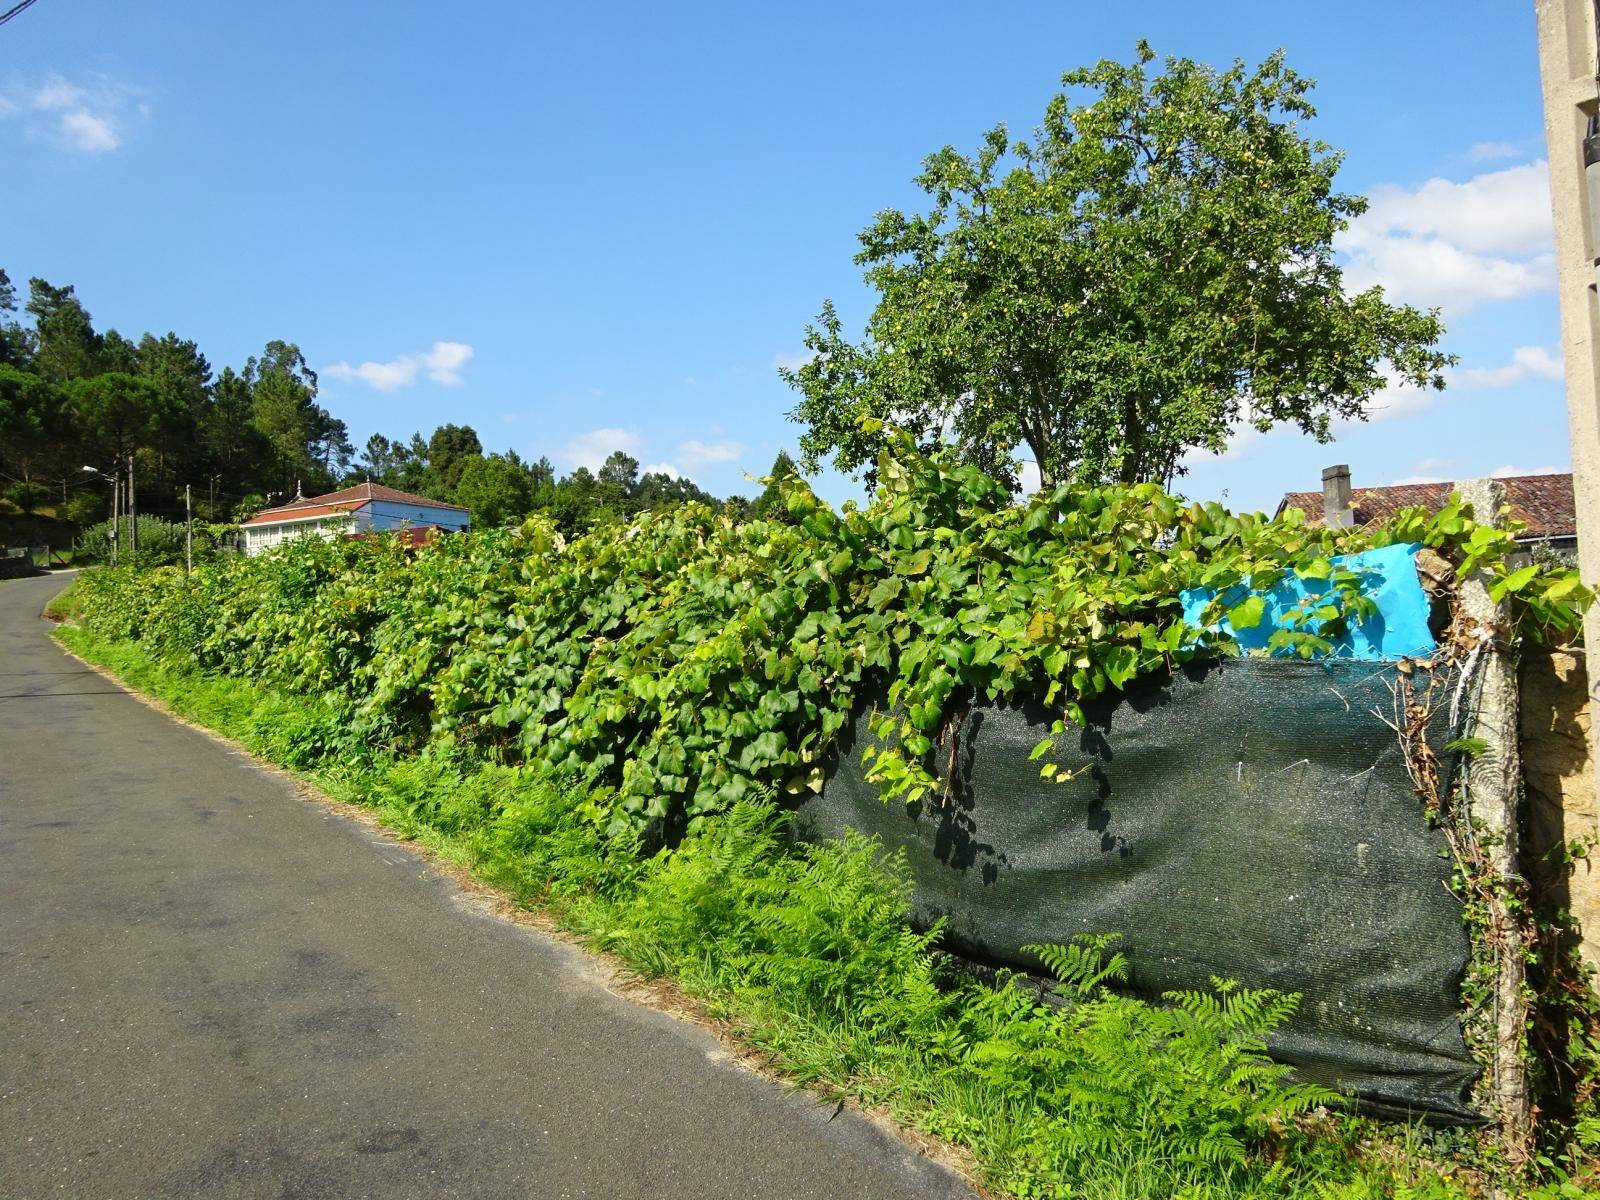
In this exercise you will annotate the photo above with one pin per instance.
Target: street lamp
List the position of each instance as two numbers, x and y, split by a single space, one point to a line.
113 481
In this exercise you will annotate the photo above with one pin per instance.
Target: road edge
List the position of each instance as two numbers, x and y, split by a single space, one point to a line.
605 969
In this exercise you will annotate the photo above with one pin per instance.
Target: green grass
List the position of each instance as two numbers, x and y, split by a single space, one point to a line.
65 605
803 951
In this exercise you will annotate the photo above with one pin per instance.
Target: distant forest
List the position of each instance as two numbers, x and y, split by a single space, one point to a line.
245 439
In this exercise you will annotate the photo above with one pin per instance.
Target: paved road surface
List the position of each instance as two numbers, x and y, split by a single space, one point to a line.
211 988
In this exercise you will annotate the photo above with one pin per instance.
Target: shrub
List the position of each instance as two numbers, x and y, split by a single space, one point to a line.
686 662
160 543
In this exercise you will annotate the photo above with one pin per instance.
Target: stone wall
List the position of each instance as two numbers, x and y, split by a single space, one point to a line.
1559 778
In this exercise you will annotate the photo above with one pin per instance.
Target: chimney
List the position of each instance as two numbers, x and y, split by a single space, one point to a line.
1337 512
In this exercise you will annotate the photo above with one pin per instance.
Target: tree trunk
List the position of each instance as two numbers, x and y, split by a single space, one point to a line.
1036 443
1132 466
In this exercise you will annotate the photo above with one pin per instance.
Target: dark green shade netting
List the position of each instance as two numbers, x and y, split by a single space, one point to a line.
1251 819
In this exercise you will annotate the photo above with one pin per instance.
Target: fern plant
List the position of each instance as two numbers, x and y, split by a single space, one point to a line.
1187 1083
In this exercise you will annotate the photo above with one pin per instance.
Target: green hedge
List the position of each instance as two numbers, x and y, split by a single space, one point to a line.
686 660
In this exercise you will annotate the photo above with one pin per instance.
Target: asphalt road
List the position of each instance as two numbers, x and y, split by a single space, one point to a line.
211 987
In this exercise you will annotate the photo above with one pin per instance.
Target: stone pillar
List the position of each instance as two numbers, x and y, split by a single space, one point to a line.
1567 67
1494 794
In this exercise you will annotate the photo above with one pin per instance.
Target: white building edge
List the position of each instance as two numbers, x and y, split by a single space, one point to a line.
365 508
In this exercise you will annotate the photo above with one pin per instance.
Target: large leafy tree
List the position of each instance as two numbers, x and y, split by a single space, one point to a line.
381 459
311 447
65 344
119 415
1153 269
35 439
451 449
236 453
496 488
15 342
657 490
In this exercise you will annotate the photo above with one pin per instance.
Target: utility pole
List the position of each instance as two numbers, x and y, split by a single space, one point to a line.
116 511
188 532
133 515
1567 68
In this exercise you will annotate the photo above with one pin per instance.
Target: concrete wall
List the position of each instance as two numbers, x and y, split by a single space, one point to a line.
1567 69
1559 781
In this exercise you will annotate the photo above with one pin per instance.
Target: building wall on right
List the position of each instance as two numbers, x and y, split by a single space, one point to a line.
1559 781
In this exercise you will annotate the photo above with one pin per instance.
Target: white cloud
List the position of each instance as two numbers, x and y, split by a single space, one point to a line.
1504 211
385 376
1435 274
1242 439
703 454
793 362
445 360
87 119
662 468
442 364
1397 399
1490 151
1527 362
1456 245
1509 472
593 448
85 131
57 93
1400 399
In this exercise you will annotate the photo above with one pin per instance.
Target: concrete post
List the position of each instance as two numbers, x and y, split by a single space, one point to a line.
1567 68
1494 794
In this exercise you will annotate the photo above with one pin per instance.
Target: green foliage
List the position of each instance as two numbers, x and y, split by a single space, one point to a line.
496 489
161 543
690 662
769 506
1190 1080
1154 267
28 497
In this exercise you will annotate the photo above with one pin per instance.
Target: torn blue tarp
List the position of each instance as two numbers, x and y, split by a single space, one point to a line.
1399 629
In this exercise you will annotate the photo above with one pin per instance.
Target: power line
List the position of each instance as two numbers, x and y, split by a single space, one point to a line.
14 10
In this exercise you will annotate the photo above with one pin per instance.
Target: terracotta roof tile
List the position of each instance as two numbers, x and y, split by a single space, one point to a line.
301 512
347 499
1544 503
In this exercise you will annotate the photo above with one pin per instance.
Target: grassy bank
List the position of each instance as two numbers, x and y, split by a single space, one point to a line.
804 952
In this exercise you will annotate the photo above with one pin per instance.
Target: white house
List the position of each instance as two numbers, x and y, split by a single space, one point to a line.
352 510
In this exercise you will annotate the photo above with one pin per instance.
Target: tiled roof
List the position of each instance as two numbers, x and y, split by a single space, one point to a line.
301 512
344 500
1543 503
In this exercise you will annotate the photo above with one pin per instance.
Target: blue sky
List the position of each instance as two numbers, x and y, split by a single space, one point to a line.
586 227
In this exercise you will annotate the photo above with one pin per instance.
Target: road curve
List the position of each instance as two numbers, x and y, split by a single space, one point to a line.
212 988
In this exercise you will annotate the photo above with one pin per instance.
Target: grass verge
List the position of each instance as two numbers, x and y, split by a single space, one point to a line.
802 952
65 605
